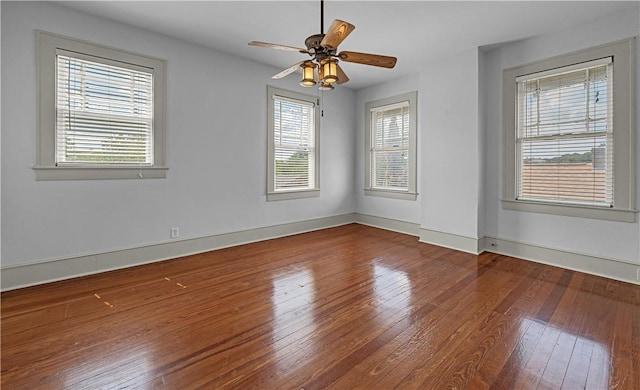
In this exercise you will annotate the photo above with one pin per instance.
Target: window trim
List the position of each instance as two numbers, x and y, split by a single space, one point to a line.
411 192
624 69
272 194
46 168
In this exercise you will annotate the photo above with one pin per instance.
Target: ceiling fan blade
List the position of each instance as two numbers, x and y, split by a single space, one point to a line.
338 31
288 71
368 59
279 47
342 77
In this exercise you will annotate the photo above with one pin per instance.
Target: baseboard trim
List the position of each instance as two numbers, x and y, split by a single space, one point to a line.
394 225
25 275
621 270
452 241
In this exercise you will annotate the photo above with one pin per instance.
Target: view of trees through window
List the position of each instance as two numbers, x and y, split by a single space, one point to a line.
294 149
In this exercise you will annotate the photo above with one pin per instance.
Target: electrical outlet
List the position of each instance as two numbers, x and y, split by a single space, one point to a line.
638 274
175 232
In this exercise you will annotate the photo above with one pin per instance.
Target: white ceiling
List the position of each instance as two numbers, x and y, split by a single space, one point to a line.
415 32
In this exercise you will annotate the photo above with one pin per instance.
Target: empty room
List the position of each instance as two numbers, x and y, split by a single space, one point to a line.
320 195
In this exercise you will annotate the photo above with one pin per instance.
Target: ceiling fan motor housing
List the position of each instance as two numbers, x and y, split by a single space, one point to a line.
314 44
314 41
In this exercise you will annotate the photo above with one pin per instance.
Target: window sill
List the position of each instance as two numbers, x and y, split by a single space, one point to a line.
297 194
404 195
98 173
580 211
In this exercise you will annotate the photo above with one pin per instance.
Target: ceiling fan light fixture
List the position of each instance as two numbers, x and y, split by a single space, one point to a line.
323 49
330 70
308 74
324 86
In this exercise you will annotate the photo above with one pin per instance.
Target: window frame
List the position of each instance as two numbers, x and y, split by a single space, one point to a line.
411 192
624 129
272 194
48 45
529 132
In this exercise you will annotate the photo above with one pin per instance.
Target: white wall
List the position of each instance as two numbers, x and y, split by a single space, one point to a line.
482 135
397 209
449 145
448 148
216 148
459 168
217 113
610 240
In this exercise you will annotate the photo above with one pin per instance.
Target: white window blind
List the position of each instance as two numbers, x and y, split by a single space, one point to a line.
294 144
390 147
565 135
104 113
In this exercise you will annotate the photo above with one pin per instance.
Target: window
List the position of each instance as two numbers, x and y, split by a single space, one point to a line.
564 135
293 145
101 112
390 139
565 151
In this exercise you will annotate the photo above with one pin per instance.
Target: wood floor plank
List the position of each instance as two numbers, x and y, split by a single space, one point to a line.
575 376
328 315
556 368
598 327
635 335
533 370
355 338
513 307
459 371
450 332
368 372
528 302
621 349
351 307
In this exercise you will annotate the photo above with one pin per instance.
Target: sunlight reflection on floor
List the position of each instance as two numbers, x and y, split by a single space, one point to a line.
293 297
392 288
576 358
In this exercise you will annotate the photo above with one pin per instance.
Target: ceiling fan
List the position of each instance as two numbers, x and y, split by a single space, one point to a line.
323 49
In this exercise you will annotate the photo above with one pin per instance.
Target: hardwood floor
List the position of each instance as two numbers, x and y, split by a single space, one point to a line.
351 307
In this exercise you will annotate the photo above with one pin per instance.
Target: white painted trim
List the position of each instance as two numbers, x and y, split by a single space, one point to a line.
412 99
394 225
571 210
48 45
24 275
286 195
391 194
453 241
105 173
297 97
617 269
623 53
